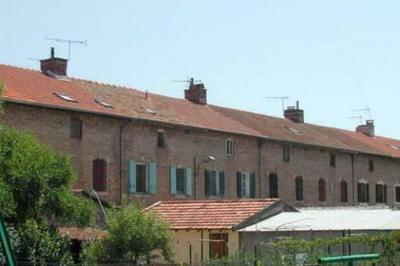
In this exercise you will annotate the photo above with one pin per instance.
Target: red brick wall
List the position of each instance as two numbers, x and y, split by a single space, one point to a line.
101 139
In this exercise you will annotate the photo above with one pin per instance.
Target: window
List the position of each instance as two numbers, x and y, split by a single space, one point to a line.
363 192
321 189
286 153
181 180
99 173
299 188
76 128
397 193
380 193
333 160
103 103
214 183
371 165
273 186
161 138
65 97
246 185
343 191
218 245
229 147
142 177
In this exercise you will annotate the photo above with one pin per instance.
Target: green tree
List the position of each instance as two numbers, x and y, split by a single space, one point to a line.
133 236
35 183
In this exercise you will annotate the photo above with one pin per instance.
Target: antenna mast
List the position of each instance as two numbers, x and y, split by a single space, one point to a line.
69 42
189 81
366 110
356 117
282 99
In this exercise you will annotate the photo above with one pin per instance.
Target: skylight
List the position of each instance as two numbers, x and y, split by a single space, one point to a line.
65 97
150 111
103 103
394 147
295 131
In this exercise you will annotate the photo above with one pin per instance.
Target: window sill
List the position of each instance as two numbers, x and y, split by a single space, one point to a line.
181 196
214 197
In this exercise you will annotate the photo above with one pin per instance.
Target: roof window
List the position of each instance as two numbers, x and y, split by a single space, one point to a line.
103 103
150 111
394 147
65 97
295 131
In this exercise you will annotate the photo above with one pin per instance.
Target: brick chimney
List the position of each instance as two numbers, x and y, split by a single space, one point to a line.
196 93
294 113
367 129
54 65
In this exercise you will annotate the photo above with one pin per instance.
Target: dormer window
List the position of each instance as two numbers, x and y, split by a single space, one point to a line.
229 145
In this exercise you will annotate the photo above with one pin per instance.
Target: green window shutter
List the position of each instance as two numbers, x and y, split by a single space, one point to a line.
239 184
207 182
221 180
188 177
153 177
132 176
252 185
172 175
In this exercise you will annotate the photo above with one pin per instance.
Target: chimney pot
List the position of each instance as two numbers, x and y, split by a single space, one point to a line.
196 93
54 65
368 129
294 113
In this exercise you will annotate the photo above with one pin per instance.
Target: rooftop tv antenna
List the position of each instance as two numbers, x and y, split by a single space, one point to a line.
359 117
69 42
282 99
366 110
189 81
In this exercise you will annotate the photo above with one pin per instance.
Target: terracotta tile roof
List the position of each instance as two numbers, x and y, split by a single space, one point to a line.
33 87
208 214
84 234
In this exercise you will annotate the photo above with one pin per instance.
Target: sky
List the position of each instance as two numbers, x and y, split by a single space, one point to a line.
334 56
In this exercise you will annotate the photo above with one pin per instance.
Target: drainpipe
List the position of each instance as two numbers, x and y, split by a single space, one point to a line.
352 179
201 247
260 142
121 163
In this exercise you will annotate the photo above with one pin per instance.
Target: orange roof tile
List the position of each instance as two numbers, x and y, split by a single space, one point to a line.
33 87
208 214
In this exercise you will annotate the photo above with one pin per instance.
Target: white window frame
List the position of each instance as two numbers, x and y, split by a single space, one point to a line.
147 178
229 147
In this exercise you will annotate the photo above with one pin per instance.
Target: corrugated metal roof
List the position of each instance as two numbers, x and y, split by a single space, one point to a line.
330 219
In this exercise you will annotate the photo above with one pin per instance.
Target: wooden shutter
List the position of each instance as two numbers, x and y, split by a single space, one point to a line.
239 184
188 177
132 176
207 182
367 192
99 175
172 175
221 180
299 188
153 177
252 185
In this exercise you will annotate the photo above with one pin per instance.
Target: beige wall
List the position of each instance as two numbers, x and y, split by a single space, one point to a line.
183 239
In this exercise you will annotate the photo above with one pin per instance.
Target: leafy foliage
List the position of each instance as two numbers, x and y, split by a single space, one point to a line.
299 252
35 183
133 236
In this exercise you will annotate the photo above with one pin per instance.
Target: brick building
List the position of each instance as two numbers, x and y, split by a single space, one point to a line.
152 147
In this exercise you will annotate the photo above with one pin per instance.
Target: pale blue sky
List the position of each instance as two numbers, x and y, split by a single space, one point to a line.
332 55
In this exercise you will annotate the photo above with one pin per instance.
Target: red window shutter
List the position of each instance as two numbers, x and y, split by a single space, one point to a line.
99 175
